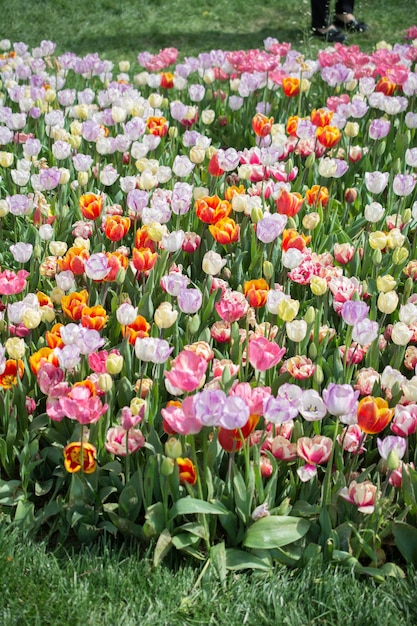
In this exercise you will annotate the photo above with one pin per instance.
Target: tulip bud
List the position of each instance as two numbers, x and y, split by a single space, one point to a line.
408 289
268 270
173 448
350 195
173 132
310 315
288 166
351 129
393 460
310 160
318 285
399 256
318 376
312 351
256 214
381 148
105 382
121 276
377 257
406 216
194 324
167 466
114 364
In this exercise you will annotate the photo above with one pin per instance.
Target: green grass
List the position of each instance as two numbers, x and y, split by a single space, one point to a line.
105 587
119 30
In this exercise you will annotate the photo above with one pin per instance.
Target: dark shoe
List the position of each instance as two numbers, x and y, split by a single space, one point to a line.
334 35
351 27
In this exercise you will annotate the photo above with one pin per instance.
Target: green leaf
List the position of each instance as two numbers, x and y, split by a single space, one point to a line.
218 561
275 531
405 537
190 506
163 546
184 540
129 503
237 560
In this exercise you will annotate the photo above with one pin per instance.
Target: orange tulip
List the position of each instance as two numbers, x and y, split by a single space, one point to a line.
116 227
385 86
232 191
142 239
12 370
292 239
74 260
292 124
139 328
187 471
225 231
231 440
157 126
42 356
167 80
87 383
94 317
73 304
317 195
214 168
44 300
289 203
262 124
116 261
321 117
374 415
256 292
328 136
211 209
143 259
91 205
53 337
72 457
291 86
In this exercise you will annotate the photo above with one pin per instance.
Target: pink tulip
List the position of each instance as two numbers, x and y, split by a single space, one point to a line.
315 451
362 495
187 371
264 354
282 449
181 418
116 440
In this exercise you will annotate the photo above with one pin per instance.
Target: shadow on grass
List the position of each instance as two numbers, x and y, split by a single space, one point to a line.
205 41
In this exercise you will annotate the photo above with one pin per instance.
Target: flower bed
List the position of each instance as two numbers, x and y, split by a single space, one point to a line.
208 308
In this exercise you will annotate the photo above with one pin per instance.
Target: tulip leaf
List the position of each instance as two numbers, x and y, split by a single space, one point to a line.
163 546
405 537
237 560
190 506
275 531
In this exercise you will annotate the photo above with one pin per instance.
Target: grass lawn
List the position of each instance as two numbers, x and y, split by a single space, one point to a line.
106 587
119 30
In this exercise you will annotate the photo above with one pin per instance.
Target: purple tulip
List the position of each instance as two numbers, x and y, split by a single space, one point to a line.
279 410
392 445
151 349
270 227
365 332
97 266
190 300
340 399
354 311
235 413
403 184
376 181
379 128
209 406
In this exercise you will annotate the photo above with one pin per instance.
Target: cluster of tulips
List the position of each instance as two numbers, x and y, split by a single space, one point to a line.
208 313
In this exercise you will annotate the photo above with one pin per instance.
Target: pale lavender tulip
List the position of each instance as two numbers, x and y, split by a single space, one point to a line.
403 184
49 178
97 266
82 162
182 166
181 198
137 200
376 181
379 128
209 405
68 356
354 311
270 227
21 251
126 314
235 413
190 300
279 410
411 157
312 406
392 448
365 332
340 399
152 349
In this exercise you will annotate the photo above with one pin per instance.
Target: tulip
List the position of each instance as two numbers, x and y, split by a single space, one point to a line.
374 415
362 495
72 457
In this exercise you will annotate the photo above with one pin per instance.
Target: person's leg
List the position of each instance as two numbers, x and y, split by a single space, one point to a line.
320 14
320 22
345 17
